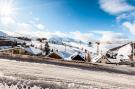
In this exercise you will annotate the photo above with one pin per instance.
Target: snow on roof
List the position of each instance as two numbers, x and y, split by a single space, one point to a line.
33 50
113 60
36 43
64 54
84 46
95 59
109 46
112 46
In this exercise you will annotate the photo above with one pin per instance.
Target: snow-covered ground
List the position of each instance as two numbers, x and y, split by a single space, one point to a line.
86 79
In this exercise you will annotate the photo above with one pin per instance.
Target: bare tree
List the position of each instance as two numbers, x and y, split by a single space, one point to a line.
88 57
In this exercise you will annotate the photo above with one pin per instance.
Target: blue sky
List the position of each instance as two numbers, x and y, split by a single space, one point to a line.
89 19
68 15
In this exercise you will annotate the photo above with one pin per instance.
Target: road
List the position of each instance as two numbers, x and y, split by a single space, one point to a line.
42 71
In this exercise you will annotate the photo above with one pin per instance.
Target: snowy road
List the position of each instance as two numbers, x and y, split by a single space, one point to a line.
74 75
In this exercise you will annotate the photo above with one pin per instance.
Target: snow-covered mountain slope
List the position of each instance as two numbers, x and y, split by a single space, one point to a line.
2 34
60 40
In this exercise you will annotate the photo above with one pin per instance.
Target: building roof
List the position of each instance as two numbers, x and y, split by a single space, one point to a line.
113 60
109 60
118 46
77 55
33 50
56 53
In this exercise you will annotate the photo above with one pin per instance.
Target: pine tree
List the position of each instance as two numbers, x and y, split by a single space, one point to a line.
47 48
90 44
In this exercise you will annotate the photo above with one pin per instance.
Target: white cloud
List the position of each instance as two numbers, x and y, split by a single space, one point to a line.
74 35
24 31
126 16
48 34
39 34
7 23
40 26
130 26
34 30
110 36
7 20
82 36
19 29
125 13
24 27
36 19
38 30
115 7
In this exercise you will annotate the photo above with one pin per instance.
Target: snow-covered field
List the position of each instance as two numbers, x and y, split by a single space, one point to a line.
71 78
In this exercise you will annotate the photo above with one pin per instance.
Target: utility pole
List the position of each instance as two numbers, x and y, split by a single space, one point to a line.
65 47
98 43
133 51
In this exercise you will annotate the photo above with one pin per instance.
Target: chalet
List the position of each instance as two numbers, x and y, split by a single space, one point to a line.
55 55
123 52
77 57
